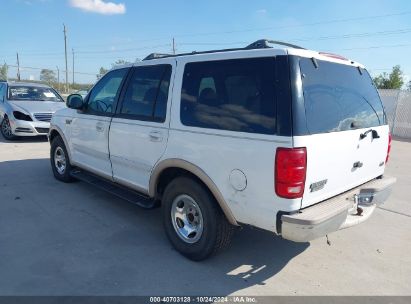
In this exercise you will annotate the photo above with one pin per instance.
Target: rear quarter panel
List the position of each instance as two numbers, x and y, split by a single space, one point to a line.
219 152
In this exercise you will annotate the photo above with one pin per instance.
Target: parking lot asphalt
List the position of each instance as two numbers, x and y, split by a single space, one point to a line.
73 239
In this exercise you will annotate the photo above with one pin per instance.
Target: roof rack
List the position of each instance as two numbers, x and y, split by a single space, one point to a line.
259 44
157 56
265 44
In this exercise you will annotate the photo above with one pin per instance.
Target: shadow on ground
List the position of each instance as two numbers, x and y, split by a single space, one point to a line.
72 239
22 139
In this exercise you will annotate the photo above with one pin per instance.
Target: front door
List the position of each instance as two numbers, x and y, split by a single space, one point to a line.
90 127
139 130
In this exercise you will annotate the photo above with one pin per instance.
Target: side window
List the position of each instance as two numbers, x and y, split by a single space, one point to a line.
234 95
105 93
147 93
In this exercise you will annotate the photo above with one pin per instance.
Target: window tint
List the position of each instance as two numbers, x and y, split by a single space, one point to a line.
235 95
339 98
104 94
147 93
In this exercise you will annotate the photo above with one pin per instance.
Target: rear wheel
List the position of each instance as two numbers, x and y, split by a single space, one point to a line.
193 221
60 161
6 129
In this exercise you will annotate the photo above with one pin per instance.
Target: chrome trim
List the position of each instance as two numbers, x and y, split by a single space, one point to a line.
340 212
187 218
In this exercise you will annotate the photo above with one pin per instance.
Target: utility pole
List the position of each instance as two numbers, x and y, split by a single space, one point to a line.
72 50
58 78
7 70
174 46
65 52
18 67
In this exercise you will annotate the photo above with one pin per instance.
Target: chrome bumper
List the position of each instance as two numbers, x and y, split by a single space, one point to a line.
343 211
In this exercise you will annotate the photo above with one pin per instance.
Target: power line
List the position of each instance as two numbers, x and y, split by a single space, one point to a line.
342 36
123 50
300 25
377 47
39 69
263 29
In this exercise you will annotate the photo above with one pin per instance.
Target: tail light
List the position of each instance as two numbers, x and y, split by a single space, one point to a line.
389 147
290 170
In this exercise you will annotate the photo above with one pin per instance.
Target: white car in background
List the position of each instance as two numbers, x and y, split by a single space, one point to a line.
26 109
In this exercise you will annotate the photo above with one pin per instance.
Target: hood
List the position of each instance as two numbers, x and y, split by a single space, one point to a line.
31 107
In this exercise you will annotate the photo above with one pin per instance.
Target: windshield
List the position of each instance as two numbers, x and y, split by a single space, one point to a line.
339 97
33 93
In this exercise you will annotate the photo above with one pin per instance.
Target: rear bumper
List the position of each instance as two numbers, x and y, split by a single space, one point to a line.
343 211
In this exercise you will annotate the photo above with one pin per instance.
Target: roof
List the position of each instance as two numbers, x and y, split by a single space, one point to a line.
27 84
263 45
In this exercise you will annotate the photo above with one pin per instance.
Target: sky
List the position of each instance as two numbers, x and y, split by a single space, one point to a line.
375 33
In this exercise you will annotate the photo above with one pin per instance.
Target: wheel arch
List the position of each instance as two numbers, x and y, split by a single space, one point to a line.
56 131
168 169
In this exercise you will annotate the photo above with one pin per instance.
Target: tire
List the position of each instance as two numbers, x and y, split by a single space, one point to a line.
6 129
212 233
60 161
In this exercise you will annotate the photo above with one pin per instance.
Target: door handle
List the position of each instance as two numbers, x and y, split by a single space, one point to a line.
357 164
156 136
99 127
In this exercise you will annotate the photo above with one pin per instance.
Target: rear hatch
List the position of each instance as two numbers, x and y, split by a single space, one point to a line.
345 135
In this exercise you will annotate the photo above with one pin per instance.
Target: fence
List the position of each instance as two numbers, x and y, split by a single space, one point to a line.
397 105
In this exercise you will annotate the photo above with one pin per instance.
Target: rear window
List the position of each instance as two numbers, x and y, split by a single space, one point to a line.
339 97
235 95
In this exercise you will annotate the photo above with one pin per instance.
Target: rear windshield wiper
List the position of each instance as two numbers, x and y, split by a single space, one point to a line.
374 134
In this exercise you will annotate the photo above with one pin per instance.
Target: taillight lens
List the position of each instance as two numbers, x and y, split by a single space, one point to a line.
389 147
290 170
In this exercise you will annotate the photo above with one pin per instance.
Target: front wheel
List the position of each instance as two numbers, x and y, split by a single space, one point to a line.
193 221
60 161
6 129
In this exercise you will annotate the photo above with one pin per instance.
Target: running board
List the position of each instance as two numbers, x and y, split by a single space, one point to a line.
114 188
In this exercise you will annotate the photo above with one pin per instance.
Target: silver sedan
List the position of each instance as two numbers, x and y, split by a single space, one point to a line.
26 108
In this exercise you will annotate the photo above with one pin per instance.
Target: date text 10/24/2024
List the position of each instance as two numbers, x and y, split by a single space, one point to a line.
204 299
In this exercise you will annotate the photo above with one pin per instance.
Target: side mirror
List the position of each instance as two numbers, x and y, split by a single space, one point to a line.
75 101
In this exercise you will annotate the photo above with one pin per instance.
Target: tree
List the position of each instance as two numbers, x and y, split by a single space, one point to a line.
394 80
48 76
3 72
103 70
409 86
120 62
101 73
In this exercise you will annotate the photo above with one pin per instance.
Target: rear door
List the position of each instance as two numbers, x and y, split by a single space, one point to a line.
139 131
346 134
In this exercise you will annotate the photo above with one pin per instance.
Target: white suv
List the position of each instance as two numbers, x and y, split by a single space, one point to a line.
284 139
